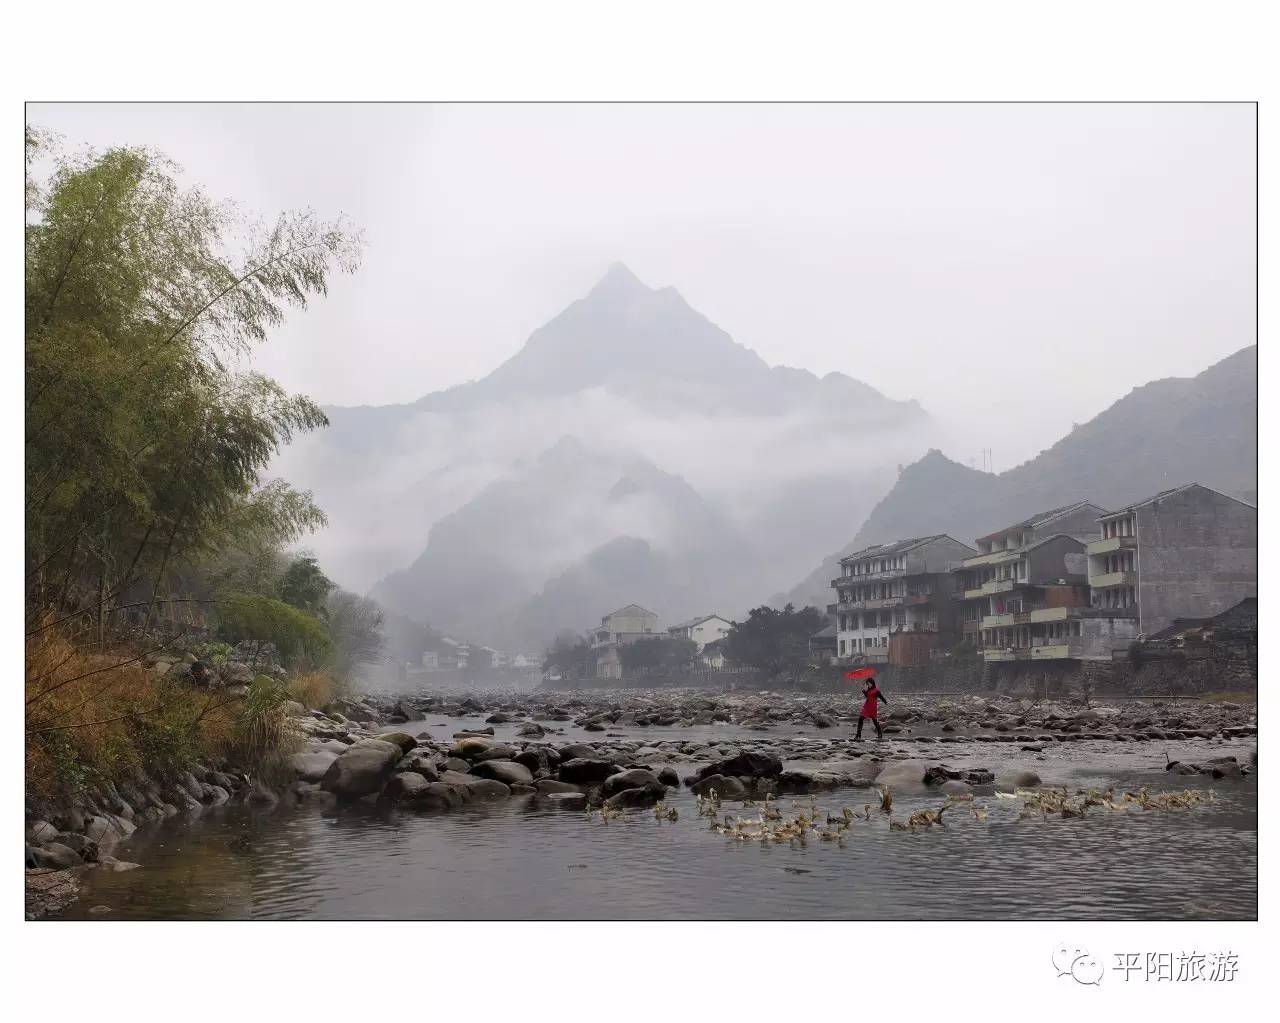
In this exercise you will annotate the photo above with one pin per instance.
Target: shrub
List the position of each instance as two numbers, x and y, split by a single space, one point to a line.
313 689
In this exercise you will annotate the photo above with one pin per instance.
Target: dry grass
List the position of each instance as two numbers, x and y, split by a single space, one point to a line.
90 716
313 689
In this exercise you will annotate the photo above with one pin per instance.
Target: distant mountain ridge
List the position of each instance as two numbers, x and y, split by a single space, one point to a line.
630 450
1171 431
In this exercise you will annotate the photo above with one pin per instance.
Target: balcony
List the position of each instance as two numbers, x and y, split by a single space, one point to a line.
1032 617
1109 579
975 594
1111 545
910 600
867 577
998 586
1057 650
994 558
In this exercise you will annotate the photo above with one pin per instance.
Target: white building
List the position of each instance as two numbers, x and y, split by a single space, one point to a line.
626 625
703 630
901 588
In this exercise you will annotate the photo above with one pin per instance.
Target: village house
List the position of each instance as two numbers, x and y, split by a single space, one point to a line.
1025 595
1032 565
1189 552
704 630
626 625
895 601
823 647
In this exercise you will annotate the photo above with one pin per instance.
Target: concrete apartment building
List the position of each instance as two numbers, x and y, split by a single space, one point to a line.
1025 595
1014 565
1189 552
626 625
895 601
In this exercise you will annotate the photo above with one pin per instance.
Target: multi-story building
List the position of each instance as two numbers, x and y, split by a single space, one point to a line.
894 601
1189 552
626 625
702 630
1032 564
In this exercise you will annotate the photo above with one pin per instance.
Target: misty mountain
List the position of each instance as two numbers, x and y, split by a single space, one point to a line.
514 560
490 509
1160 435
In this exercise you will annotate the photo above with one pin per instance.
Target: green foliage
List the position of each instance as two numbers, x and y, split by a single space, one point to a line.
262 729
568 657
304 586
213 652
144 450
776 642
355 631
662 653
300 638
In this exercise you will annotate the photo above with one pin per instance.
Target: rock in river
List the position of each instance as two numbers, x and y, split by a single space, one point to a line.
474 786
362 769
405 787
635 778
726 787
313 766
587 770
507 771
745 765
641 795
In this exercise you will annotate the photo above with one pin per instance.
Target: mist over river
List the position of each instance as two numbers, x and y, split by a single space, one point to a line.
522 858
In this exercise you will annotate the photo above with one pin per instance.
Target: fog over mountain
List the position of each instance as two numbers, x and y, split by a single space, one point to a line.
1177 430
630 451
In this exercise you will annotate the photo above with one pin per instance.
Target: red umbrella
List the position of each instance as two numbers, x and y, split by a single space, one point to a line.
860 673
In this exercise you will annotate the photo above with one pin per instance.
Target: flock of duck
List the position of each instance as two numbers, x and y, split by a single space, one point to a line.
771 824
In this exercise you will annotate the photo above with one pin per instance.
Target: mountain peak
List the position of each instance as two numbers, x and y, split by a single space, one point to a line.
619 281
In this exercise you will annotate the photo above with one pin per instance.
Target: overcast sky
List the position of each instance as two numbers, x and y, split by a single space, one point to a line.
1015 268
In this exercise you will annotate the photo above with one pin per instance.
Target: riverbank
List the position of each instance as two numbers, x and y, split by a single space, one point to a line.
427 755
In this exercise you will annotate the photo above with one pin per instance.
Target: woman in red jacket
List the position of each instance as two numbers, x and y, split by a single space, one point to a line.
872 697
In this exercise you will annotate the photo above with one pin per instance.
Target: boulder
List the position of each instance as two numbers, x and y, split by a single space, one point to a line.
534 758
1018 779
565 800
641 795
587 771
404 740
726 787
579 750
507 771
471 747
531 730
549 785
475 786
362 769
668 776
312 766
455 764
39 832
439 796
55 855
903 774
405 787
637 777
106 831
745 765
85 847
495 752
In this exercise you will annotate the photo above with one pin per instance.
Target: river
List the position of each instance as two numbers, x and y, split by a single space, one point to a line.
520 860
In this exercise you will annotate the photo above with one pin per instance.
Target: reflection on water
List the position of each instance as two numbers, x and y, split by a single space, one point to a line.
520 860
